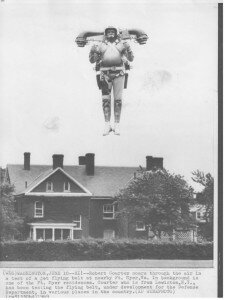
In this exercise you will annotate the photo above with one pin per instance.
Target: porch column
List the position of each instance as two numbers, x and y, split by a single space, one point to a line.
71 234
195 235
173 235
34 234
53 234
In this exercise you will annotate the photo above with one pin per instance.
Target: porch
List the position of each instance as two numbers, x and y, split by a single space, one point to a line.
54 231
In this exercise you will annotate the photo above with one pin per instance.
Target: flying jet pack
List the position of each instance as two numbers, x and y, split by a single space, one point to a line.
86 37
111 54
136 35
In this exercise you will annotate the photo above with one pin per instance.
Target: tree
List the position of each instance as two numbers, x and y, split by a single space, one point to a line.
158 198
206 197
10 222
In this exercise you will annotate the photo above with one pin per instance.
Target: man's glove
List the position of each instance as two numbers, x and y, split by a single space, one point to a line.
127 52
95 49
95 54
127 48
124 59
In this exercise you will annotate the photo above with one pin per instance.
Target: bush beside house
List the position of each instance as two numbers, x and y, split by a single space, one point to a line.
11 225
103 250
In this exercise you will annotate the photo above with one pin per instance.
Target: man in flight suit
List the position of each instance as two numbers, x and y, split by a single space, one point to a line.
111 55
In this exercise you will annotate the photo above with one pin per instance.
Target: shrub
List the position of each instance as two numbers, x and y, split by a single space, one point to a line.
103 250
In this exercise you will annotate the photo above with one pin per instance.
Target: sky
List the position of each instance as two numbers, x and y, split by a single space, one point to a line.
50 103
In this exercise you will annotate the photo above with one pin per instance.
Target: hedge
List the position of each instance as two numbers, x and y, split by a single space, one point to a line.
103 250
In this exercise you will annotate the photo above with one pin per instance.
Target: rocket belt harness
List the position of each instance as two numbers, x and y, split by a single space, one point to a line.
107 74
112 69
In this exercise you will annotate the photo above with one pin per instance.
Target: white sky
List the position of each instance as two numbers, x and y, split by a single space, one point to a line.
50 102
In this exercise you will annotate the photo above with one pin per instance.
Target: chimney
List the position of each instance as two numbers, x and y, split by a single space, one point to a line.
154 163
27 161
57 160
82 160
90 164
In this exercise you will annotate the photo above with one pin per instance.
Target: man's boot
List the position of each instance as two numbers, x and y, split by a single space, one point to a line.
117 128
117 113
107 129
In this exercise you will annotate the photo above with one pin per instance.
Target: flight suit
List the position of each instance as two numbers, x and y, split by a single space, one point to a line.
111 57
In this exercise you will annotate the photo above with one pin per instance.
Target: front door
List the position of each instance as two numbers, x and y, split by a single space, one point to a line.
108 234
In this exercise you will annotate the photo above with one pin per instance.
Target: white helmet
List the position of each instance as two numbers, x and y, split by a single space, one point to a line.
111 27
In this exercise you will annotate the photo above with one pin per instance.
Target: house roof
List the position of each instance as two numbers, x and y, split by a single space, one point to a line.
37 180
106 182
2 174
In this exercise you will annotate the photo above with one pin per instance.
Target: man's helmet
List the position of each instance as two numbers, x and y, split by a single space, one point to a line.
111 28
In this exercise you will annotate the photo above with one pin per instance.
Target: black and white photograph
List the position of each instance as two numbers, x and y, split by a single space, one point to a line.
109 148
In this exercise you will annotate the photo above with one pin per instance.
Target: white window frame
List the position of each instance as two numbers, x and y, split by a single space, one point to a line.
47 183
64 187
105 212
41 209
140 228
77 221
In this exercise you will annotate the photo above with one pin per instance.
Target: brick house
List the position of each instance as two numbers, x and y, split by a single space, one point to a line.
68 202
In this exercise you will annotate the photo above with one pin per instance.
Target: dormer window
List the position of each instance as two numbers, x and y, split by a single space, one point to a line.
49 186
38 209
66 186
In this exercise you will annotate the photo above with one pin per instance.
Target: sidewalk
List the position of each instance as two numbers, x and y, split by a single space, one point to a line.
142 263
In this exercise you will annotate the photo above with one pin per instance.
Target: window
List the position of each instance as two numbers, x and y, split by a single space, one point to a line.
77 222
62 234
140 226
58 234
38 209
199 215
49 186
48 234
43 234
66 186
108 211
40 234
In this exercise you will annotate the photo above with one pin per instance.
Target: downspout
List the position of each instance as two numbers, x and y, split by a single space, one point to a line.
89 215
